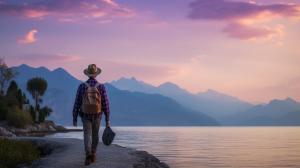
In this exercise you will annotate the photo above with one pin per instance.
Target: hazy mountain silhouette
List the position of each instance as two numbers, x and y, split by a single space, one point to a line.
228 110
276 112
210 102
128 108
60 93
145 104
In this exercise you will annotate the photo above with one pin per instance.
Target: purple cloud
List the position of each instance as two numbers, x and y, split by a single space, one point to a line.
64 9
241 17
228 10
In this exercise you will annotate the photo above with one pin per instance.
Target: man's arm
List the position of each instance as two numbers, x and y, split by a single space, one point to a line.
105 105
77 105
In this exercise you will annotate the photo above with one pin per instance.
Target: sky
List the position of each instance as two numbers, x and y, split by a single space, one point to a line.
245 48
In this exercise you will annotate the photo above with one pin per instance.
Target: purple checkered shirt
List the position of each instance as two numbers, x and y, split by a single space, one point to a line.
78 101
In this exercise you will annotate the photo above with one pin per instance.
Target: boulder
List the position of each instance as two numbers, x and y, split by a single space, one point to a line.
6 133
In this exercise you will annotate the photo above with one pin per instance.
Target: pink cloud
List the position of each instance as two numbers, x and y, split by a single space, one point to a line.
29 37
242 18
240 31
65 9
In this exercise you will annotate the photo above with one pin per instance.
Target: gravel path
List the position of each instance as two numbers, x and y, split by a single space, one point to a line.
66 152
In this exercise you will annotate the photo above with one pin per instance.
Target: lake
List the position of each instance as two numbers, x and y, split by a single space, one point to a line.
205 147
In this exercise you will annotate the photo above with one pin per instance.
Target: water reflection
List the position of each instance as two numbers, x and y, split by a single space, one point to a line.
193 147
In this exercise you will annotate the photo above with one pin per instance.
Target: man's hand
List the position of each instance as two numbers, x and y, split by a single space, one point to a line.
75 123
107 124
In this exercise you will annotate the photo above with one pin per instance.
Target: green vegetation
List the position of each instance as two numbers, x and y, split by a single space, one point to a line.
3 108
18 118
11 107
14 105
44 112
14 153
37 87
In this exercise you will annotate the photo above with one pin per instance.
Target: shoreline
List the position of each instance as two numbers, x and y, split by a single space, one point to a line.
69 152
35 130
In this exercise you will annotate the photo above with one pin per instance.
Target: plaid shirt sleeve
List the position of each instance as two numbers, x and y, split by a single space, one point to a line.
105 103
78 102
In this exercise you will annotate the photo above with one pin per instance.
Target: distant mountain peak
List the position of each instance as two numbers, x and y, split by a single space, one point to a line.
129 80
287 100
28 67
168 84
215 95
43 68
60 70
126 79
213 91
24 66
172 88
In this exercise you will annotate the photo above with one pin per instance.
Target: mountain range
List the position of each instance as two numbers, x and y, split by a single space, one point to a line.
127 108
210 102
276 112
134 102
226 109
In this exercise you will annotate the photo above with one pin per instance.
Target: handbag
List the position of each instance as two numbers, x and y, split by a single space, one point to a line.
108 136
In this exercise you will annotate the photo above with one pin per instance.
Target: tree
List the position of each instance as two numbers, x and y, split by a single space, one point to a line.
11 95
12 88
37 87
44 112
6 74
15 96
3 108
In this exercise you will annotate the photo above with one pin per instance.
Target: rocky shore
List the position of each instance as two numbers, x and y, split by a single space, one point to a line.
66 152
40 129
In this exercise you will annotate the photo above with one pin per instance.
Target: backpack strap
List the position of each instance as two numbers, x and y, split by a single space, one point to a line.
87 85
97 84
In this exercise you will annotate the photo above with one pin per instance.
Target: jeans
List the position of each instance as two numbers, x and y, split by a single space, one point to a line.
91 134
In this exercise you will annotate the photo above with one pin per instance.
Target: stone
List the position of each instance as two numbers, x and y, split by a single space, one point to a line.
6 133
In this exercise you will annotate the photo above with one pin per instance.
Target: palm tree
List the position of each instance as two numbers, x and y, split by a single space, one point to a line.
37 87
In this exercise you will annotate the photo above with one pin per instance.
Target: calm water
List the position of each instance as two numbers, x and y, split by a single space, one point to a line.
197 147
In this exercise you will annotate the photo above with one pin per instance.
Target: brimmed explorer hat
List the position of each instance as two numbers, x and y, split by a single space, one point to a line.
92 71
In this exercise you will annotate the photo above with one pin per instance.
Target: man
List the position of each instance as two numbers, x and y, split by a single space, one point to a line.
91 101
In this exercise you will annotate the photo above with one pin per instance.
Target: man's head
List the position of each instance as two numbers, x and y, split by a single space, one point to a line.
92 71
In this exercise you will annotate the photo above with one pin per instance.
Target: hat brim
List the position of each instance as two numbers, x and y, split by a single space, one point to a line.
92 75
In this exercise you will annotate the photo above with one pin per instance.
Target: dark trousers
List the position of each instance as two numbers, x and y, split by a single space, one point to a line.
91 134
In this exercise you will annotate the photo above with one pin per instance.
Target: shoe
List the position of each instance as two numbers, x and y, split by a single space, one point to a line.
93 158
87 160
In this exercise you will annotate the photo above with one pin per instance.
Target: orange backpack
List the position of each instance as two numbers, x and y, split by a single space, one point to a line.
91 103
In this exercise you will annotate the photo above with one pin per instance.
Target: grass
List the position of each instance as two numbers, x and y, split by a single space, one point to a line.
14 153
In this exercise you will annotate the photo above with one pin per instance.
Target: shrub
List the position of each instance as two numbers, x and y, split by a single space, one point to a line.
18 118
3 111
44 112
14 153
3 108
